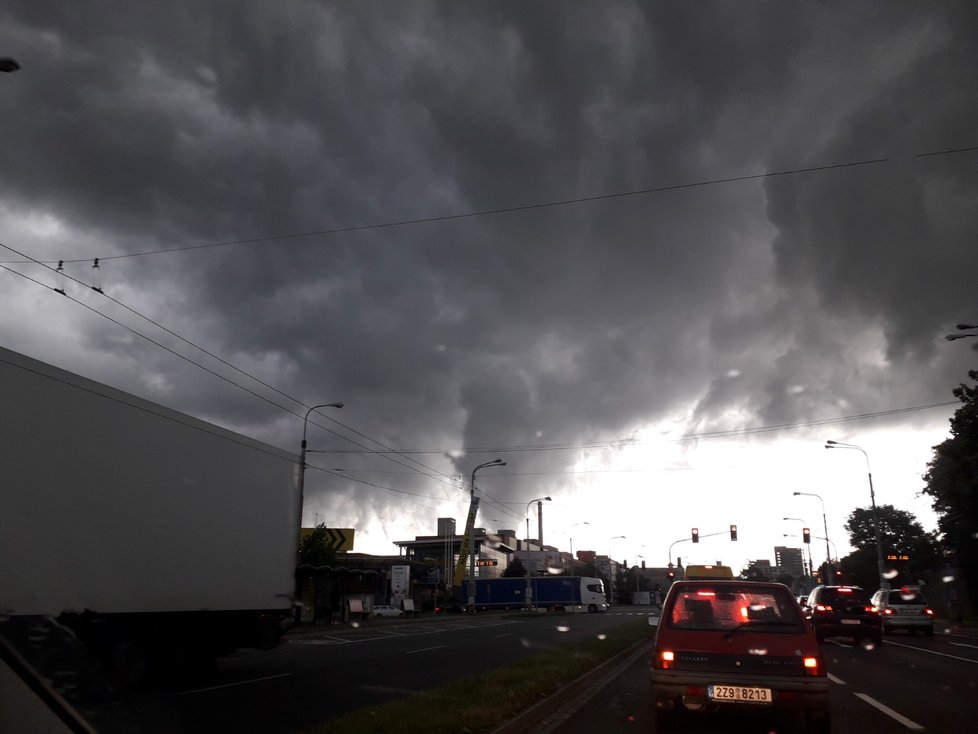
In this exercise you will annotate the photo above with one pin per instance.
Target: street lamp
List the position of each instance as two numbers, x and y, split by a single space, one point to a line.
302 457
494 462
884 584
825 524
539 501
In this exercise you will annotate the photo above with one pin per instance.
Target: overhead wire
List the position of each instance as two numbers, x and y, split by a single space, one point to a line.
386 453
518 207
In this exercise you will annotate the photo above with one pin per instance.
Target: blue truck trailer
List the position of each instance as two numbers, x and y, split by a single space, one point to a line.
548 592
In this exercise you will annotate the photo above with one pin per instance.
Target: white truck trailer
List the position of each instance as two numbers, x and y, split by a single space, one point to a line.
154 536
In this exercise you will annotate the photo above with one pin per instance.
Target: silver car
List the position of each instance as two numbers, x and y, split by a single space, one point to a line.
906 609
385 610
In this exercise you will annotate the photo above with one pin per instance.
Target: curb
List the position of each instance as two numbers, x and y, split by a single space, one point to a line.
576 691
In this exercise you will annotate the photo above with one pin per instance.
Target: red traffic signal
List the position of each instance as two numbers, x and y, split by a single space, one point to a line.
733 532
806 535
696 535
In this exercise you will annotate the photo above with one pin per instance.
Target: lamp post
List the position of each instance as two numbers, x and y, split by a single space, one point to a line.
494 462
539 501
884 584
825 524
302 457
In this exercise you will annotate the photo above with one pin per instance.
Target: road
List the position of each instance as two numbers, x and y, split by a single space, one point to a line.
317 675
908 684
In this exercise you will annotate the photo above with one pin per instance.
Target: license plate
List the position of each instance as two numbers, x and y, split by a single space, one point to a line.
850 621
740 694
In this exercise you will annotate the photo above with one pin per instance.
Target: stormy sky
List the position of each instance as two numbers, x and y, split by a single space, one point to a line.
652 255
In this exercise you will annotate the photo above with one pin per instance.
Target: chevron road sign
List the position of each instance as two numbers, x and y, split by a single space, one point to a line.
340 539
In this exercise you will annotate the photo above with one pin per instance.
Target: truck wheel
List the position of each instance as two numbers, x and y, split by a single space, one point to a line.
592 609
129 663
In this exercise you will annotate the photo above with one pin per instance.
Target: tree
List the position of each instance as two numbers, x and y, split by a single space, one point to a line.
515 569
952 482
900 535
752 573
316 548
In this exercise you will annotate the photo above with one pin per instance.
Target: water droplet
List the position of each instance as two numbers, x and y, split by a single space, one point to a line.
757 651
868 644
563 628
554 570
890 573
602 636
947 579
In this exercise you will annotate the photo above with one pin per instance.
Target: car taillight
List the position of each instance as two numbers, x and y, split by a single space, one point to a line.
887 611
823 608
813 666
871 610
664 659
928 611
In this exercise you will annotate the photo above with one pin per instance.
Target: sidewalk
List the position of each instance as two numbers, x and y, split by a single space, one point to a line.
950 627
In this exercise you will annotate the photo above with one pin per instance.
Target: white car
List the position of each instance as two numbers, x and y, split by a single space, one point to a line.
385 610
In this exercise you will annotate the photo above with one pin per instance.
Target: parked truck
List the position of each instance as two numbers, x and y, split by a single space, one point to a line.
547 592
157 538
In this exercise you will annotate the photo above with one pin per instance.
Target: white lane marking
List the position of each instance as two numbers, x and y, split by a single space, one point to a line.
424 649
834 679
912 725
932 652
237 683
962 644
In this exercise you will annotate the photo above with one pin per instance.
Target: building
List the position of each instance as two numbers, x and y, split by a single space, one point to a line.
791 561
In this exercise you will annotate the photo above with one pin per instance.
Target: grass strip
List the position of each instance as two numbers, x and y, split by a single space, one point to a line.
483 702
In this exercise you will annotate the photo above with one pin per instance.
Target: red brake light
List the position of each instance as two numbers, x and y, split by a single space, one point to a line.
664 659
812 666
887 611
871 610
844 590
823 608
928 611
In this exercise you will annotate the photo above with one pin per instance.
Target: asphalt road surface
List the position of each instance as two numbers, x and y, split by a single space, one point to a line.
320 674
909 684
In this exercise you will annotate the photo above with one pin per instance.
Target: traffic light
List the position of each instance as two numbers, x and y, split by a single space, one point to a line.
696 535
806 535
670 574
733 532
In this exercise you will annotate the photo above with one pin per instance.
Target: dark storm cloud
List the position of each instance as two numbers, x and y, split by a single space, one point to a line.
159 125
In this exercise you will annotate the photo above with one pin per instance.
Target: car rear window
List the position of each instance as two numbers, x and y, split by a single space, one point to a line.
712 607
836 596
907 597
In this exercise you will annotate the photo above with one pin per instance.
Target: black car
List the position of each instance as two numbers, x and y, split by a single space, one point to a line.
844 611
